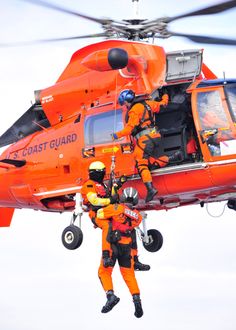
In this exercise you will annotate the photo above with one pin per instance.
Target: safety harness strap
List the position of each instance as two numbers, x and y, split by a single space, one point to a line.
148 109
144 118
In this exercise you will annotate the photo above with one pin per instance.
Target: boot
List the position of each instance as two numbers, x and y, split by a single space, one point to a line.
176 156
139 266
137 305
107 261
112 300
151 191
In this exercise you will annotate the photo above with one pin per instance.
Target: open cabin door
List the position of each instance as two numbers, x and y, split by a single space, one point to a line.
184 65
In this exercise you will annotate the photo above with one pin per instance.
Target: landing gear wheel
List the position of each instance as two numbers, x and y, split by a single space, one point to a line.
72 237
155 241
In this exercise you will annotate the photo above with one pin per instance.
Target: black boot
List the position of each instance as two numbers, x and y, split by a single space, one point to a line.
176 156
107 261
139 266
137 305
151 191
112 300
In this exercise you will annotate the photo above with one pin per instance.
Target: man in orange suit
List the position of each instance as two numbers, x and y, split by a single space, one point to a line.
96 195
140 124
123 220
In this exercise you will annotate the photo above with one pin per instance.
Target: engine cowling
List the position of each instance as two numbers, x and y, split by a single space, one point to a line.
107 59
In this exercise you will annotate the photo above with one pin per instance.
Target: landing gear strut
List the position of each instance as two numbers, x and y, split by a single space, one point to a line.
72 236
154 242
152 239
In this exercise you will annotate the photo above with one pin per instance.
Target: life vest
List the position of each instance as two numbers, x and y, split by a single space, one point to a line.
125 221
99 188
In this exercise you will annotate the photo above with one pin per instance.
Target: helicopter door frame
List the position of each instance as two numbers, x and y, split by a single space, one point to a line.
213 122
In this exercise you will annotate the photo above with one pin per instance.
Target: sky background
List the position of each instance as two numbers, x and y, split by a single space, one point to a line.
43 286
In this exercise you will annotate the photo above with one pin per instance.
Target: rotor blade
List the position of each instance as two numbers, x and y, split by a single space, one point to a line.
205 39
206 11
68 11
28 43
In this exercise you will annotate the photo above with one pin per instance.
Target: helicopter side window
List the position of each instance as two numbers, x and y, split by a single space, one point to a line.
214 123
99 127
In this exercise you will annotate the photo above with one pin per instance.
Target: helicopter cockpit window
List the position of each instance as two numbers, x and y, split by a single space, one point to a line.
99 127
211 111
215 126
231 96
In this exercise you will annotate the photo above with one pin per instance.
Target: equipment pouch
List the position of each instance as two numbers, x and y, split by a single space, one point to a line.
115 236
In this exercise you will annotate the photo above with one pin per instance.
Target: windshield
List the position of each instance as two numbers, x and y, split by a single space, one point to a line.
231 98
211 111
216 126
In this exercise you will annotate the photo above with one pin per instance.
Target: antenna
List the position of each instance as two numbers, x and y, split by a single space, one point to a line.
224 77
136 8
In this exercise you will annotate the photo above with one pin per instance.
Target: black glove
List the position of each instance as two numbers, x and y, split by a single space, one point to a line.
114 199
121 180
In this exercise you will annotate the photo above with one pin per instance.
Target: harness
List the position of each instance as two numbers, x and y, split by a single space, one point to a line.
139 128
114 236
116 232
146 131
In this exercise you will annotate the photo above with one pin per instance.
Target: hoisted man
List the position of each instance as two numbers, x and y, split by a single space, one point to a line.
123 220
96 195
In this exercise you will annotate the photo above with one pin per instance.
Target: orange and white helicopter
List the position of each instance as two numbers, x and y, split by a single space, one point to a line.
70 125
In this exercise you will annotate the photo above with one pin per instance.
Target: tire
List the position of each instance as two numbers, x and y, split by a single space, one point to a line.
72 237
155 241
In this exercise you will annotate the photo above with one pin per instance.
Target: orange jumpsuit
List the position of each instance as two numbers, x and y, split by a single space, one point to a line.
123 221
139 120
95 195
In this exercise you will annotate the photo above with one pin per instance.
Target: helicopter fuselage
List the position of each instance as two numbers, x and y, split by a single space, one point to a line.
70 125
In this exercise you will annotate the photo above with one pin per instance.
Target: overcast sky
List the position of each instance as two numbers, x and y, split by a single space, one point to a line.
43 286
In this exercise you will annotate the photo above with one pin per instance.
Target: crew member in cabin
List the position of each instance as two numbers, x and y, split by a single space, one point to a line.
140 124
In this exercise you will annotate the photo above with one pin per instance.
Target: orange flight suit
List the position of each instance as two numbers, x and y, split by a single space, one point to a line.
123 221
139 118
95 195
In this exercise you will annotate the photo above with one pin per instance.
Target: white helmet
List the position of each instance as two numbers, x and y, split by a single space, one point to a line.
129 195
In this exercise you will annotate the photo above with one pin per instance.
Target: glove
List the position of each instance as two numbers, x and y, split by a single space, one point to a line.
121 180
164 100
114 199
114 136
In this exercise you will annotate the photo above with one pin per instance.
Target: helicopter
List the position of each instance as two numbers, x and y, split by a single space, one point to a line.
70 124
